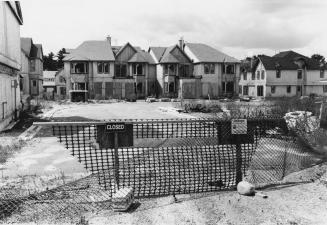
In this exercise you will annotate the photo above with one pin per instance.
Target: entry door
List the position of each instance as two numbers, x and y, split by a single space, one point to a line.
299 90
260 91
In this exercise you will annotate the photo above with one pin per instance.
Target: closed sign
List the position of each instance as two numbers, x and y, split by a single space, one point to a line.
239 126
115 127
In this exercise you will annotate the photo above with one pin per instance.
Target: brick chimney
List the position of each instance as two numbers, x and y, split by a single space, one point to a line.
109 39
181 43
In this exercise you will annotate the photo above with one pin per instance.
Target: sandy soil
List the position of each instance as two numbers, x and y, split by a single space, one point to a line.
119 110
302 204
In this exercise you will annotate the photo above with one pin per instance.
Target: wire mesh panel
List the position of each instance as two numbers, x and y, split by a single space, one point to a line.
166 157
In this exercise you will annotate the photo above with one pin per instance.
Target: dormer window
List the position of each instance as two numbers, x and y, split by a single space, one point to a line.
262 74
299 74
258 75
278 73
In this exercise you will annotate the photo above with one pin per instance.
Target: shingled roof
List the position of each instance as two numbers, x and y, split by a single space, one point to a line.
205 53
142 57
287 61
158 52
92 51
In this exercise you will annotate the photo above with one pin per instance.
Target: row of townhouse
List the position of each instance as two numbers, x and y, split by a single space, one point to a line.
97 69
10 58
285 74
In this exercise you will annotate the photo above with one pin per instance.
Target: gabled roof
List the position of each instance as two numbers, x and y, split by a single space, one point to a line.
26 44
120 49
287 61
205 53
31 50
168 57
158 52
142 57
16 9
91 51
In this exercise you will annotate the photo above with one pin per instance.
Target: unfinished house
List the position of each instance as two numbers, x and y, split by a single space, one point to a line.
135 73
219 72
175 73
97 70
10 62
60 85
32 68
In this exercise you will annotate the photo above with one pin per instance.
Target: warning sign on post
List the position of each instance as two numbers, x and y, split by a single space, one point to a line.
239 126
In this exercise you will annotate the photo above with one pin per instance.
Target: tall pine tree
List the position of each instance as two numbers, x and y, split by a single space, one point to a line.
60 57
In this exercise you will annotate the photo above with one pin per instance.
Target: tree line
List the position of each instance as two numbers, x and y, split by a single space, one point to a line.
54 62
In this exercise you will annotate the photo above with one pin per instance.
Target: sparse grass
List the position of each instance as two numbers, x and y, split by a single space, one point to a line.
8 150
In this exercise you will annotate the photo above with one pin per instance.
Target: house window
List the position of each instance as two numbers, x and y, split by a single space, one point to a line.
299 74
253 75
262 74
245 76
273 89
172 69
184 71
278 73
209 68
245 90
165 69
324 88
62 79
258 75
240 89
120 70
230 69
171 87
103 67
32 65
322 73
62 90
223 85
166 87
169 69
260 90
138 69
80 67
34 83
288 89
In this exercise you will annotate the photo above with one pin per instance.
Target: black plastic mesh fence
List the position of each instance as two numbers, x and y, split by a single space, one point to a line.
162 157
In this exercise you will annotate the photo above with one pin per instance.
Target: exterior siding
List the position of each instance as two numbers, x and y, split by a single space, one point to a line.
10 61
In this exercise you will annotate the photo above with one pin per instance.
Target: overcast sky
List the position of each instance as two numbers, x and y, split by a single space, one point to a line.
239 28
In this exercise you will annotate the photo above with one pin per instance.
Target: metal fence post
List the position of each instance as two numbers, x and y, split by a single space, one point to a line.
116 167
239 175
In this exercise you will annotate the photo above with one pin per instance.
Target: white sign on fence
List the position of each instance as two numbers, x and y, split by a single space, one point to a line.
239 126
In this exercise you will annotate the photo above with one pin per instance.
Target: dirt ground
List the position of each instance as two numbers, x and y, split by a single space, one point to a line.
44 157
294 205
